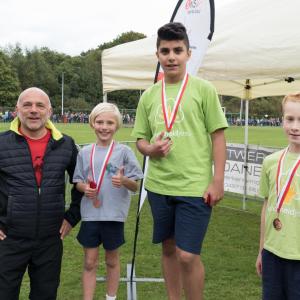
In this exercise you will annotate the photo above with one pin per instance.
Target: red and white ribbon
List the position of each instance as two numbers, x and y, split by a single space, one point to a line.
281 194
169 122
104 165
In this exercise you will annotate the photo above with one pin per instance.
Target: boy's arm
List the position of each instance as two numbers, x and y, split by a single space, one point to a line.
85 188
160 148
119 180
262 237
215 190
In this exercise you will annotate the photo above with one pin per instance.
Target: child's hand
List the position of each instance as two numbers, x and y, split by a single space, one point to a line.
161 146
117 180
259 264
90 192
214 193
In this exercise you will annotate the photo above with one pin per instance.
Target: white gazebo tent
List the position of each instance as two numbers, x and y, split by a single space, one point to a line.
255 52
257 40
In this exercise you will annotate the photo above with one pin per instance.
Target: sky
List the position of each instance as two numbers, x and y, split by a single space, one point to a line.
74 26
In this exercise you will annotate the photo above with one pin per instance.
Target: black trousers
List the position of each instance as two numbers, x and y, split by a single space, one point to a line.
42 258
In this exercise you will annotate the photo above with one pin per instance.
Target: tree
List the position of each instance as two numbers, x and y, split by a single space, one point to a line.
43 68
39 73
9 84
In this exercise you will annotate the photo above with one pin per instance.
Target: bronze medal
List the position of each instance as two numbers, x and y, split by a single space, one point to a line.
277 224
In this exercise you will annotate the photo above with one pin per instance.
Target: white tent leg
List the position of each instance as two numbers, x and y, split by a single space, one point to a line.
241 111
245 153
105 97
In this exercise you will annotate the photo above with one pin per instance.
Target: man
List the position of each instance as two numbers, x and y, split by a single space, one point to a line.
34 156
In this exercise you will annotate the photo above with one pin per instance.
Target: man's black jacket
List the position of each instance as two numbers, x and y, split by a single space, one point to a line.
27 210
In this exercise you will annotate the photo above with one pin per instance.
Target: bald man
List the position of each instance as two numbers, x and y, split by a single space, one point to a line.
34 156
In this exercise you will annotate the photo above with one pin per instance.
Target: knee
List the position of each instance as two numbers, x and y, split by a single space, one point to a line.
112 262
186 259
90 265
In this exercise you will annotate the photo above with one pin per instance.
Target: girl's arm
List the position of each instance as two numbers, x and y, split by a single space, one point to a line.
119 180
262 237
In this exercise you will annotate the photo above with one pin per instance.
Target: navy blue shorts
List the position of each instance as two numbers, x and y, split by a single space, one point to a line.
183 218
280 277
94 233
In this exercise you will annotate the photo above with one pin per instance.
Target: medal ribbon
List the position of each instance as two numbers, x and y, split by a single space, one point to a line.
169 122
282 194
104 165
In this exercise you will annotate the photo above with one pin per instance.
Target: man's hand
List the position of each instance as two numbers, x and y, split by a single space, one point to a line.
65 229
214 193
117 180
2 235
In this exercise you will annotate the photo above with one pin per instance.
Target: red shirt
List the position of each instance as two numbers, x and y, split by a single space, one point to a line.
37 150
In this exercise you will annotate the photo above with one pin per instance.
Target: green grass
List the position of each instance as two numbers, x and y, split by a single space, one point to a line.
263 136
229 250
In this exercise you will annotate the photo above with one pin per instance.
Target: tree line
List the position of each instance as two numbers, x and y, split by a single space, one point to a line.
46 69
258 108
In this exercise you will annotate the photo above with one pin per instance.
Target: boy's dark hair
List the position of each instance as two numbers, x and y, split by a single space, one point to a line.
171 32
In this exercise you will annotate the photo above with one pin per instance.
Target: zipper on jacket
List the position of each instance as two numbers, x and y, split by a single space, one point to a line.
38 212
40 189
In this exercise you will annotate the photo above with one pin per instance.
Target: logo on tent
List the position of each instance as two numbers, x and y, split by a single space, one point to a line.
193 4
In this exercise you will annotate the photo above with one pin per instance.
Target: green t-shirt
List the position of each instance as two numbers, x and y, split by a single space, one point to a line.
187 169
286 242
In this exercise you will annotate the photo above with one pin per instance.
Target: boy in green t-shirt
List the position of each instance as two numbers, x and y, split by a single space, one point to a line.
278 260
180 126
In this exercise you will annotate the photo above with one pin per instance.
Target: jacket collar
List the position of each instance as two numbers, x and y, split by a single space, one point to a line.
55 133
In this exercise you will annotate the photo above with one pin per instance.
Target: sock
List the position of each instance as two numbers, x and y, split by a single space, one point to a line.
111 297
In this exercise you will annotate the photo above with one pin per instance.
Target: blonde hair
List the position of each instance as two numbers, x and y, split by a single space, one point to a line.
105 107
293 97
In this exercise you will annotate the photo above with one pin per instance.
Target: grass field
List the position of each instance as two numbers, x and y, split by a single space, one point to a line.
229 250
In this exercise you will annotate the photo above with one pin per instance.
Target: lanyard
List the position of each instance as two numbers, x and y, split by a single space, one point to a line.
170 122
104 165
281 194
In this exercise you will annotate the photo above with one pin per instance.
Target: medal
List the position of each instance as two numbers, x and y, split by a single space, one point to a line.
277 224
96 202
97 183
169 122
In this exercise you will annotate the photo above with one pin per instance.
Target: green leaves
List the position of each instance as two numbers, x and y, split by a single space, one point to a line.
9 83
43 68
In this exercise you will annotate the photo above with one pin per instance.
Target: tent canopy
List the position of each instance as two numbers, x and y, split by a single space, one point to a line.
255 52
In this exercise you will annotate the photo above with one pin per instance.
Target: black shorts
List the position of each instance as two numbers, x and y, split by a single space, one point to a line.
280 277
183 218
94 233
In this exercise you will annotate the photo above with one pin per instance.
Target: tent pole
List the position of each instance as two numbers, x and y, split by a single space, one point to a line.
245 153
105 97
241 111
247 90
